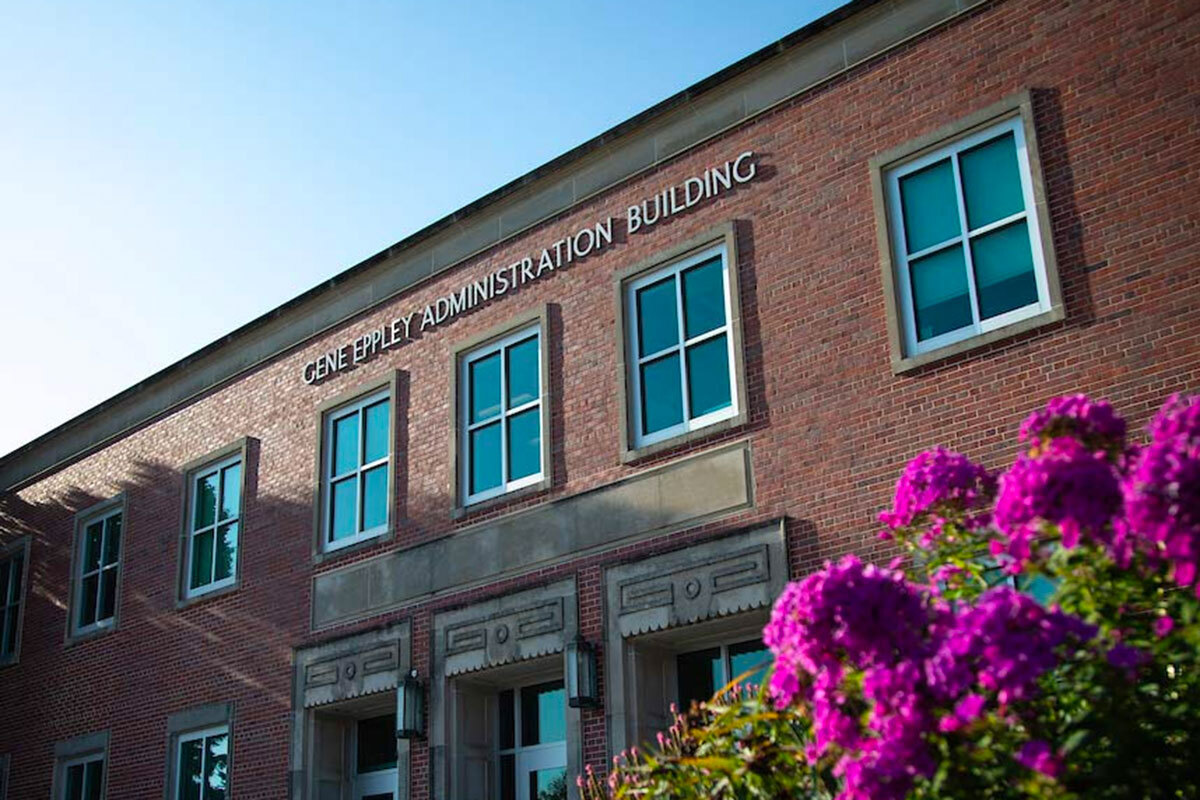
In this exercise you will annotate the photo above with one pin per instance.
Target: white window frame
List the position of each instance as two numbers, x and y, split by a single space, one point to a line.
100 519
527 758
640 439
328 478
83 760
726 662
219 468
191 736
15 599
466 427
953 150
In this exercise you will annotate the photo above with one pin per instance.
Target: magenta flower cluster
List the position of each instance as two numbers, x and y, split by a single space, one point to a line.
999 647
924 667
936 483
1162 489
1093 422
1065 484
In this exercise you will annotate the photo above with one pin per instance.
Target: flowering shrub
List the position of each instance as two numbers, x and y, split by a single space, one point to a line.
936 677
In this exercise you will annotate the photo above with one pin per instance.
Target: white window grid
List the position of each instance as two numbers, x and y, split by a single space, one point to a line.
528 758
358 407
14 565
219 469
636 361
467 427
84 573
201 735
978 326
85 781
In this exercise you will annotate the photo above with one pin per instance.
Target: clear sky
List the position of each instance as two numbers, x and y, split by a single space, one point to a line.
170 171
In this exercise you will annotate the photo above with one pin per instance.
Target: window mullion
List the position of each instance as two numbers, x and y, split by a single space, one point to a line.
683 376
503 418
966 241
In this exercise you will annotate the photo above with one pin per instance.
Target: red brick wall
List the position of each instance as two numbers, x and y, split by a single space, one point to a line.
1118 122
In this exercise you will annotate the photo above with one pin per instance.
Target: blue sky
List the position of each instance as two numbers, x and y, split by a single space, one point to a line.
169 171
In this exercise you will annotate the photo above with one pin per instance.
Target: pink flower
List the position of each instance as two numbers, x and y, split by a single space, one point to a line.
1037 755
1163 626
935 484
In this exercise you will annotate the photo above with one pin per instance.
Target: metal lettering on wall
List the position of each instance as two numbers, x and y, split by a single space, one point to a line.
586 241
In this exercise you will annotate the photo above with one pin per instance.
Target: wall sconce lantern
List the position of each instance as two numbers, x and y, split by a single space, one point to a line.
581 674
410 711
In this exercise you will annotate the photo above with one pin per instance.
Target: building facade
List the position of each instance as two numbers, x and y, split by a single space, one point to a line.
609 409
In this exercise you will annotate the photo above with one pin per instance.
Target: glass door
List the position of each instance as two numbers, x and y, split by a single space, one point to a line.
533 742
375 758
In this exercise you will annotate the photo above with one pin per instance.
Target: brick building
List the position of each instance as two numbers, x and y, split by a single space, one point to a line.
609 408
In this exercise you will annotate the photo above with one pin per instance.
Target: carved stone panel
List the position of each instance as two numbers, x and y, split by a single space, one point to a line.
710 580
511 628
353 675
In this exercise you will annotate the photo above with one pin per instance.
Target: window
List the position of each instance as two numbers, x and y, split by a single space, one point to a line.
99 564
967 258
211 549
681 343
375 758
356 470
12 590
532 745
501 408
83 778
202 771
701 673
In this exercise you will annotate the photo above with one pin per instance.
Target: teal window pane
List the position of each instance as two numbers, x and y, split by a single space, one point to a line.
708 376
112 539
522 376
524 444
375 492
6 572
75 782
941 298
191 758
231 491
662 397
485 458
991 181
548 784
703 298
543 714
345 444
748 662
700 674
92 539
343 505
216 767
485 387
375 441
88 590
202 559
108 594
94 771
205 509
930 206
658 325
1004 277
227 547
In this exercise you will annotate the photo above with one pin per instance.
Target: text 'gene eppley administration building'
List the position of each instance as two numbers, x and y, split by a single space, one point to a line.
475 512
